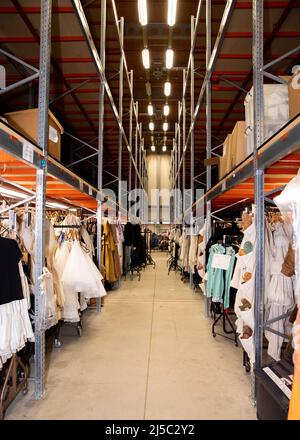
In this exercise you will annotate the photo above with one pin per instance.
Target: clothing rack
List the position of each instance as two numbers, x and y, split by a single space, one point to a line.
149 259
15 380
223 313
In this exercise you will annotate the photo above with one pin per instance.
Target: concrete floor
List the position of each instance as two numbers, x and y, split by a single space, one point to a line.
149 355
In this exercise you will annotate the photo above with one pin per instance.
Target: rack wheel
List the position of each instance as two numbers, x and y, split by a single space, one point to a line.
58 343
247 368
25 391
79 330
236 344
214 335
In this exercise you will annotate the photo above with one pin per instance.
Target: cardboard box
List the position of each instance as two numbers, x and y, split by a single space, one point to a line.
215 160
226 159
294 95
238 143
26 121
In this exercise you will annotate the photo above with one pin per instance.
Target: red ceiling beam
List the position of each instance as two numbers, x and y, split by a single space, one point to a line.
75 60
54 39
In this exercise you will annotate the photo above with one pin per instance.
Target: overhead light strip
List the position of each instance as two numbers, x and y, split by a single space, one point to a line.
142 10
172 7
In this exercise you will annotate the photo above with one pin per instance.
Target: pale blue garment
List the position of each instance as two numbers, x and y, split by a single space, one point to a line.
215 277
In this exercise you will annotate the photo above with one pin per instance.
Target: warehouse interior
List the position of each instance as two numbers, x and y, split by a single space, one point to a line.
168 305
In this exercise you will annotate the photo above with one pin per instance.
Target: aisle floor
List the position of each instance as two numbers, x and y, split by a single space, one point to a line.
150 354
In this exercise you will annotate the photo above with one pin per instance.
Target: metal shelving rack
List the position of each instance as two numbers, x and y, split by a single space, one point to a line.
252 177
44 165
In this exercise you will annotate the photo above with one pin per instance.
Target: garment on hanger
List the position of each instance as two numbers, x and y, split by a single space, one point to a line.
218 280
184 243
15 326
279 294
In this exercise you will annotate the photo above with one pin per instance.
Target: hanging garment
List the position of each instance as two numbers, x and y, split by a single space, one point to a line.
70 311
47 316
244 281
218 280
109 254
280 292
184 250
81 274
193 252
15 326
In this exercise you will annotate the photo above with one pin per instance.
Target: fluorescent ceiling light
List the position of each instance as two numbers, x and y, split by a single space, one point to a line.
166 110
146 58
164 148
169 58
152 147
151 126
56 205
150 110
167 88
142 10
12 193
165 139
172 6
165 126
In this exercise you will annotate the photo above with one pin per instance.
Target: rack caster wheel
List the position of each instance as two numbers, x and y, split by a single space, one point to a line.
25 391
79 331
58 343
236 344
214 335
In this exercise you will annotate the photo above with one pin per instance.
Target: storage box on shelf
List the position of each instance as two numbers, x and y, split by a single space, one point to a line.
294 94
225 160
26 121
276 112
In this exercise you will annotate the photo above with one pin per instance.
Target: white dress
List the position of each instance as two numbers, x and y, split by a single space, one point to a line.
70 312
81 274
280 292
15 328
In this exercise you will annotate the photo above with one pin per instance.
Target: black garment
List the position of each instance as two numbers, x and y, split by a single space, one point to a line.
10 285
128 234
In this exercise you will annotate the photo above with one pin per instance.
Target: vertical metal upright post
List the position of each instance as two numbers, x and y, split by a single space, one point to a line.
44 86
130 133
208 130
121 72
136 142
258 108
192 131
183 142
140 158
100 141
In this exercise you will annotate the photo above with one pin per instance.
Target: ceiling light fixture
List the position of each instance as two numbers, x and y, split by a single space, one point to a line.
12 193
142 10
169 58
164 148
166 110
56 205
151 126
172 6
167 88
150 110
146 58
152 147
165 126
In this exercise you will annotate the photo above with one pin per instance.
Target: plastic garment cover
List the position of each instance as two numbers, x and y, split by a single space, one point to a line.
47 316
